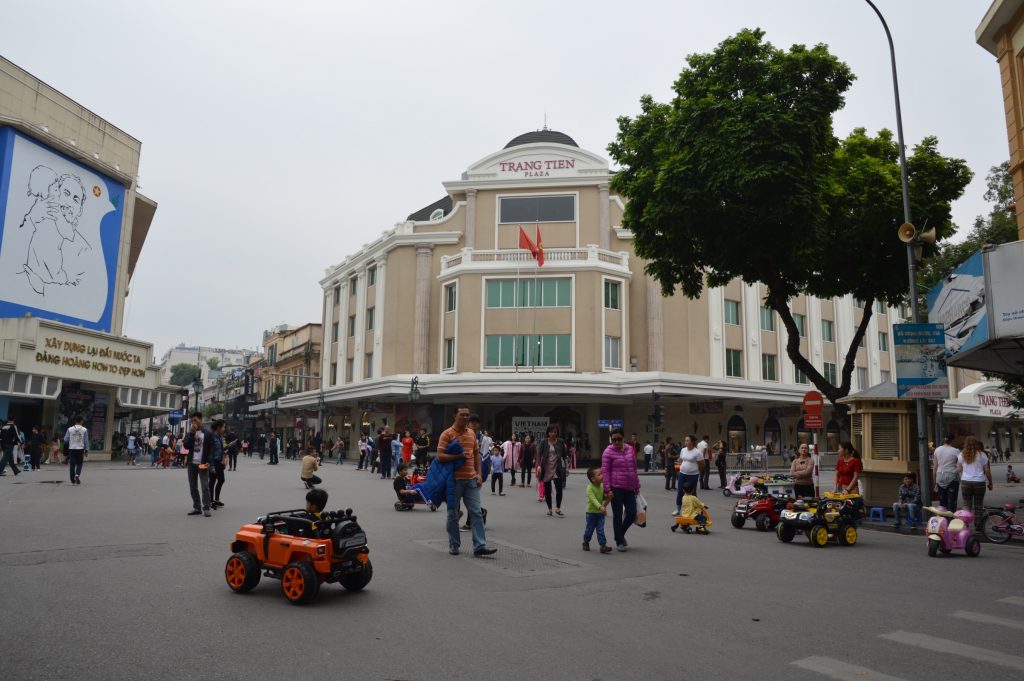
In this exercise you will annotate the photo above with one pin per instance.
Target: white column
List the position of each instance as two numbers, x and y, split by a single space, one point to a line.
378 319
716 331
471 219
751 306
871 343
655 328
359 354
814 342
421 328
785 363
343 313
845 328
325 350
603 219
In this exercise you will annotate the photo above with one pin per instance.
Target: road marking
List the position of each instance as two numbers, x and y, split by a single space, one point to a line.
1014 600
941 645
838 669
988 619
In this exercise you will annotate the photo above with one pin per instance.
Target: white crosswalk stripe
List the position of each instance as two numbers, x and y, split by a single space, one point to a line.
982 618
837 669
1013 600
942 645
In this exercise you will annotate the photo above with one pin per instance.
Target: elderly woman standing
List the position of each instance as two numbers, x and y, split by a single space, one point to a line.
618 468
802 470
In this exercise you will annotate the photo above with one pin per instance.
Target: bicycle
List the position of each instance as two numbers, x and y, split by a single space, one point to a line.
1000 525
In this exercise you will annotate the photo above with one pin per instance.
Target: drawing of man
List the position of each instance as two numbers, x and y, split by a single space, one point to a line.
54 218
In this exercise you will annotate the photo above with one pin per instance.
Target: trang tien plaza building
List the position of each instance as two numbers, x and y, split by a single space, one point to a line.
448 296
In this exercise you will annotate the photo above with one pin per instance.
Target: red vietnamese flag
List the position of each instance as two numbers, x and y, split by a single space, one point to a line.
525 242
540 249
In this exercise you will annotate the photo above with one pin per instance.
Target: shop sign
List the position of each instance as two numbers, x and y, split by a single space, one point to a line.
85 357
994 405
535 425
920 361
541 167
715 407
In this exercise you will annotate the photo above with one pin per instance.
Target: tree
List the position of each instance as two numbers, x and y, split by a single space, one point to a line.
213 363
741 176
184 374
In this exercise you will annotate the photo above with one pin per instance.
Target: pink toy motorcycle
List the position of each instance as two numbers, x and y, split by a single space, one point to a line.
947 530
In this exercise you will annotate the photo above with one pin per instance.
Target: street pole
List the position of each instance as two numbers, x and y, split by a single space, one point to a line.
921 406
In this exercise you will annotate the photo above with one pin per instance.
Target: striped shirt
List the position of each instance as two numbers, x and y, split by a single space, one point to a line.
469 447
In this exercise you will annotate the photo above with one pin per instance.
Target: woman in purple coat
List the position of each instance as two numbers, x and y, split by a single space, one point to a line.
618 467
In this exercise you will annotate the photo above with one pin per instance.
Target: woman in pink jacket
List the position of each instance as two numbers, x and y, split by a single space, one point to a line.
618 467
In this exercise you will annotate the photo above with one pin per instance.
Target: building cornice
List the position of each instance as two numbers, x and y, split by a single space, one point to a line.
373 252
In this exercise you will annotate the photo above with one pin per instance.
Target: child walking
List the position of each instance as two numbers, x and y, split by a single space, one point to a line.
498 470
597 506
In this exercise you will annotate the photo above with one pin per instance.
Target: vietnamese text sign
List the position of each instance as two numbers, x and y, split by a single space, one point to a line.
535 425
920 361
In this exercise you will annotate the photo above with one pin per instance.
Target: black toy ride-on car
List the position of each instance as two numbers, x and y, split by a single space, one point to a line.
834 516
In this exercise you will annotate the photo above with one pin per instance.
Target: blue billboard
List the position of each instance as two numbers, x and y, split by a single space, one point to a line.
59 236
958 303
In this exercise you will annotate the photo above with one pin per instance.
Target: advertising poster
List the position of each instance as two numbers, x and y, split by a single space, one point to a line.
920 361
1006 278
59 235
958 304
535 425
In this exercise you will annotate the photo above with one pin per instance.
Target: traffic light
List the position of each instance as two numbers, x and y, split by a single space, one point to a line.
659 415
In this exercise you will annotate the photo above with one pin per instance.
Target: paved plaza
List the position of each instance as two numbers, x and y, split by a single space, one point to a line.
112 580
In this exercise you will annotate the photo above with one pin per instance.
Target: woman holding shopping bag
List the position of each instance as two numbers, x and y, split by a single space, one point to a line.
618 468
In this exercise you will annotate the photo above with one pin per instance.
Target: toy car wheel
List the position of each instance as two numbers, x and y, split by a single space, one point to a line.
817 535
354 581
242 572
726 492
785 532
738 520
433 507
933 547
674 527
763 523
973 546
299 582
847 534
398 505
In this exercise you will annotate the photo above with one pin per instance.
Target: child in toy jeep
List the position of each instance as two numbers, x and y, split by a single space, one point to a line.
834 516
302 548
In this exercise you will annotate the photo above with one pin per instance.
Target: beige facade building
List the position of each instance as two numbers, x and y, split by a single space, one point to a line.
448 297
72 226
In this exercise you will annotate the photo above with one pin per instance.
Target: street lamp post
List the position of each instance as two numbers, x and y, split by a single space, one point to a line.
912 246
414 394
197 386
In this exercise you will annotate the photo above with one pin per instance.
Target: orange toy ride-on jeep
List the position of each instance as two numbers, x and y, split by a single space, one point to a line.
301 551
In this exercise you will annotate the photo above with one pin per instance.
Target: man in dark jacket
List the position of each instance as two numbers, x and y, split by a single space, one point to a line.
9 439
199 442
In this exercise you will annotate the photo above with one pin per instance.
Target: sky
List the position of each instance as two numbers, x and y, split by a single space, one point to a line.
279 137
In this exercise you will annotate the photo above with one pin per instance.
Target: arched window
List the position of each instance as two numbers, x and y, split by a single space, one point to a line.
832 436
737 434
803 433
773 434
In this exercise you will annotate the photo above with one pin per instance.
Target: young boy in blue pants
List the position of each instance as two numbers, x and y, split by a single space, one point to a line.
597 506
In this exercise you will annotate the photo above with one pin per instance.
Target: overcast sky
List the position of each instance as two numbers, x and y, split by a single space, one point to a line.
278 137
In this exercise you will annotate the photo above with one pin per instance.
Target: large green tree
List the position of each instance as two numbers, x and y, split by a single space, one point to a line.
741 176
184 374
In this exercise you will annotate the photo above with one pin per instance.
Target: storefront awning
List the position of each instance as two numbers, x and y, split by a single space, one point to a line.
17 384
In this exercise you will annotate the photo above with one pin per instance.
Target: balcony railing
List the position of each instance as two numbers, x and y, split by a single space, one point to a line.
579 257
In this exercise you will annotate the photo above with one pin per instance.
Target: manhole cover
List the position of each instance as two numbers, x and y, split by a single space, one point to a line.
512 560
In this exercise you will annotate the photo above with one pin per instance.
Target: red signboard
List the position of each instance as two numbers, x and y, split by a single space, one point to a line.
814 404
813 422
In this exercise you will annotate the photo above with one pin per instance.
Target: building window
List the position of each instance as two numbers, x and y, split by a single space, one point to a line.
371 276
334 373
449 298
732 311
858 303
351 325
529 293
879 307
612 352
334 332
337 295
826 330
368 366
369 318
883 341
801 324
734 363
611 295
350 370
353 283
860 343
862 378
272 354
532 209
768 368
830 373
885 376
449 353
767 319
510 351
799 376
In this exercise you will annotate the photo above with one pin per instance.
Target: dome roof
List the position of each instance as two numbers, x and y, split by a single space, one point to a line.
545 135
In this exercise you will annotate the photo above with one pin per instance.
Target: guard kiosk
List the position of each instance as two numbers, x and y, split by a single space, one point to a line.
883 429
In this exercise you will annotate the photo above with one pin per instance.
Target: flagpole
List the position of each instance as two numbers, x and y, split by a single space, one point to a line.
518 304
536 300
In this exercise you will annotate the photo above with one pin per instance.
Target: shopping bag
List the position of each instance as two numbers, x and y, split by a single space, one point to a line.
641 511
